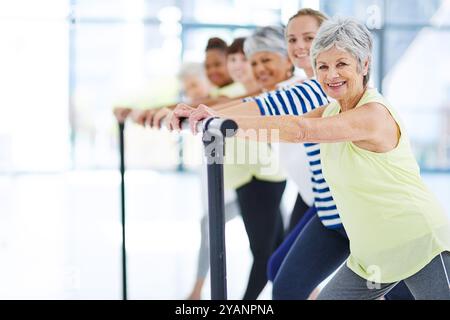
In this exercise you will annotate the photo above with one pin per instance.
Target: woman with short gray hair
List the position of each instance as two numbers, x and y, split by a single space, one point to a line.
267 52
269 38
346 35
396 227
193 81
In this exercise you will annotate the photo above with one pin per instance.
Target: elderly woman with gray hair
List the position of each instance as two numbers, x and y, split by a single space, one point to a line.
396 228
266 50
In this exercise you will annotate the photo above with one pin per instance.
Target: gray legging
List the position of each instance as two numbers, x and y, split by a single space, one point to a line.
430 283
315 254
231 211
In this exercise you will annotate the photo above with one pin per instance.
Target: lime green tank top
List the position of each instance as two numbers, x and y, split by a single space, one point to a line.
394 223
245 159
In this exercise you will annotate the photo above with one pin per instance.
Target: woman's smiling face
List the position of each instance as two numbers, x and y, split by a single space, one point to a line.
270 68
239 67
216 68
339 73
300 33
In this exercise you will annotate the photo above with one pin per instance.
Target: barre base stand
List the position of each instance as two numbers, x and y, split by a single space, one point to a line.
214 134
216 212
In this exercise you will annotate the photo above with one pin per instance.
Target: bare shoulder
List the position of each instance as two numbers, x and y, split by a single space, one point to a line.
381 119
377 110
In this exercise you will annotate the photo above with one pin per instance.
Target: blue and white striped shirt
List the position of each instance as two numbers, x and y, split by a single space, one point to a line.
298 100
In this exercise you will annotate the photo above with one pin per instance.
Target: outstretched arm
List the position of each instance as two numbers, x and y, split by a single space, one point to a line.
371 123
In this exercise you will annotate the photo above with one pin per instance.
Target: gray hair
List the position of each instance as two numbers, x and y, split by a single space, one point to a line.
266 39
191 69
345 34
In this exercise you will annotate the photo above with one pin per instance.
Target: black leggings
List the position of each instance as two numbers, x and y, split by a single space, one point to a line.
259 202
297 214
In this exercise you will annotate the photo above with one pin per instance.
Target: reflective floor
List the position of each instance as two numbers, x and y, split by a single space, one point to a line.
60 236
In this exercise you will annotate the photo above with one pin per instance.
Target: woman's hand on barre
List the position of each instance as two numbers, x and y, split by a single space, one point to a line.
139 116
144 117
195 115
158 116
168 120
200 113
180 112
121 113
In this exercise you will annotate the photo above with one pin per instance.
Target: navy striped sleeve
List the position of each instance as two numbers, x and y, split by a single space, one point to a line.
261 107
291 101
301 99
295 100
273 105
306 94
320 88
283 103
315 93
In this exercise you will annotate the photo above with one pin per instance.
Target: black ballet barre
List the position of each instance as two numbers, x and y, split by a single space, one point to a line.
214 132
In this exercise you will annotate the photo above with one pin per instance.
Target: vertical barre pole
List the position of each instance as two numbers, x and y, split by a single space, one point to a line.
214 150
122 205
